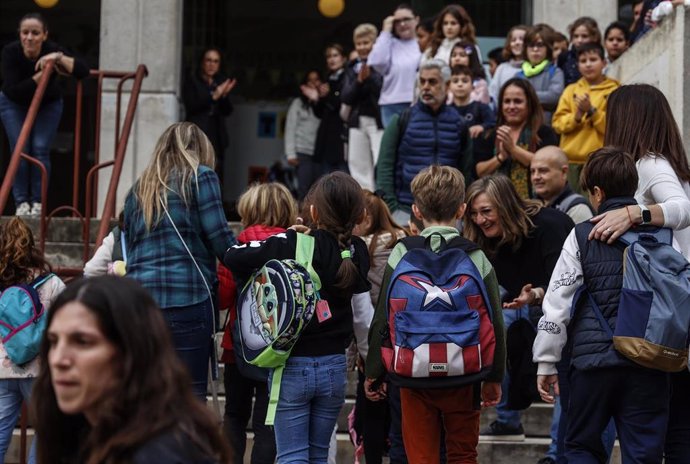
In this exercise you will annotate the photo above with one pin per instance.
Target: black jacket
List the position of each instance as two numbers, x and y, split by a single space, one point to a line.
362 97
206 113
330 138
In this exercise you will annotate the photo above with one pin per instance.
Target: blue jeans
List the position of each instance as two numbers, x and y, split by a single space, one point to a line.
506 416
387 111
12 392
27 183
312 392
190 327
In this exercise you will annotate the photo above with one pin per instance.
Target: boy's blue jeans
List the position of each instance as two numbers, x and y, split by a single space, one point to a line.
12 393
312 391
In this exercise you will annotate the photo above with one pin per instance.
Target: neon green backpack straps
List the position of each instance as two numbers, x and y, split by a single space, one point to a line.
304 254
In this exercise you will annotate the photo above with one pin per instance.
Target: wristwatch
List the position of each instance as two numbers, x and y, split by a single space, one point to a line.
646 214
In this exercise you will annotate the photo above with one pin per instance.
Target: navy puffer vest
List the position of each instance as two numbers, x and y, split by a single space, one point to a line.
428 139
602 267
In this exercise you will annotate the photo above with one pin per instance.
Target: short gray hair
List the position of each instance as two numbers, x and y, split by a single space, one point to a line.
440 65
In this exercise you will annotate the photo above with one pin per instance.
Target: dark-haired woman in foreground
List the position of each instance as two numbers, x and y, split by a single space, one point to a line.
110 387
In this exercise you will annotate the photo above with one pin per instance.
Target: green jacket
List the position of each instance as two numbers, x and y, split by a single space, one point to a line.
374 364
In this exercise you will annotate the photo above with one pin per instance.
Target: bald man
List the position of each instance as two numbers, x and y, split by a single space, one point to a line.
549 174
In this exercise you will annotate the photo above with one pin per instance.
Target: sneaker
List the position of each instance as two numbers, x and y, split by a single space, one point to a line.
36 209
546 460
500 432
23 209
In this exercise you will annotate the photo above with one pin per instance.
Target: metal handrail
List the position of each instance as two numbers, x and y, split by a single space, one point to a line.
28 125
121 138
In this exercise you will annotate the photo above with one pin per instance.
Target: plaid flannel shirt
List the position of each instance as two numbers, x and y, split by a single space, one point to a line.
157 259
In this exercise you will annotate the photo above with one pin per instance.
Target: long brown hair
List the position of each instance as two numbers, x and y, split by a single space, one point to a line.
507 53
639 120
339 204
514 213
536 114
467 29
153 396
19 256
382 222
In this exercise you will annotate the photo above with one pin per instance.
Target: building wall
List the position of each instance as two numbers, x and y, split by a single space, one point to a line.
561 13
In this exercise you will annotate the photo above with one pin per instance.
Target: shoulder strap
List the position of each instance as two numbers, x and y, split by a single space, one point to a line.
304 254
403 121
570 201
123 246
40 280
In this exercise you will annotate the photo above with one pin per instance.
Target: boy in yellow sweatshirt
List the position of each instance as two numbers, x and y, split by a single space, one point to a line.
580 117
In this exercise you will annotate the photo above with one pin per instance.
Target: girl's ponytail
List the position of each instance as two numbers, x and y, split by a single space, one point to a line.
339 201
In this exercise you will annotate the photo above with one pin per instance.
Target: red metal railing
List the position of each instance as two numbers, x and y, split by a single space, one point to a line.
122 131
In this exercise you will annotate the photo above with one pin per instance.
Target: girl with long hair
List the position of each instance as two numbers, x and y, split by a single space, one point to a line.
23 62
312 389
583 30
452 25
519 133
523 241
176 228
512 55
380 232
639 121
110 388
21 262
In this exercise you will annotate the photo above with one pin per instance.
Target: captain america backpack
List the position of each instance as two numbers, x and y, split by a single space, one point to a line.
22 320
440 321
274 308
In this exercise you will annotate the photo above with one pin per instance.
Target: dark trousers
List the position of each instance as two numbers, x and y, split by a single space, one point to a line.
677 447
307 172
372 419
190 327
638 401
239 392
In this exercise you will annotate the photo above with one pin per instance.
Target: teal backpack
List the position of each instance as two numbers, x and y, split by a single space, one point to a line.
275 306
22 320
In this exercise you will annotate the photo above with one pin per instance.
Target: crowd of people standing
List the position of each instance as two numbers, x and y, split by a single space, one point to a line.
532 170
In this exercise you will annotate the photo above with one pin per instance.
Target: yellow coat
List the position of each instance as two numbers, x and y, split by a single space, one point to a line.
580 139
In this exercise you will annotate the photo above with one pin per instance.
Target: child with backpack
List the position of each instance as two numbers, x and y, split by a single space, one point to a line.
588 308
445 346
265 210
23 272
312 389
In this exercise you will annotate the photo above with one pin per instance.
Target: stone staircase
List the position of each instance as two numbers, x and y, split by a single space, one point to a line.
64 248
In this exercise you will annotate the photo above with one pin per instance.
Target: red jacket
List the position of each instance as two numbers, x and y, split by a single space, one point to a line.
227 289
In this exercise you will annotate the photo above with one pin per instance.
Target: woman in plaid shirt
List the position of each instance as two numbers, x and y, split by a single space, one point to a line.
175 228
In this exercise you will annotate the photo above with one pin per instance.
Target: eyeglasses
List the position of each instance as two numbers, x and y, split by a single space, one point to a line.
536 45
403 20
211 60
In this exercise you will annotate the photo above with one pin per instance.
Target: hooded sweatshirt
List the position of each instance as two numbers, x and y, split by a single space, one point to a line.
578 139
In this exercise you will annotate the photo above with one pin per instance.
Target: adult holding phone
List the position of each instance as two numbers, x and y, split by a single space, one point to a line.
23 62
396 56
207 104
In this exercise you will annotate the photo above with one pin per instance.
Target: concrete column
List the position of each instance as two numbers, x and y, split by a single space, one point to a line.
134 32
561 13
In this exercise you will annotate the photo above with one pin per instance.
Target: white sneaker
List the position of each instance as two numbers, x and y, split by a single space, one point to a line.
23 209
36 209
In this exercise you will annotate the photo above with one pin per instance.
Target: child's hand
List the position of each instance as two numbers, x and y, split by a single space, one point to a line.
364 73
528 296
491 394
544 383
583 103
475 131
311 93
375 392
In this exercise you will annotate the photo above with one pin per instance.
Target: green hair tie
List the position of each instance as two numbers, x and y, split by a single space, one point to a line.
345 254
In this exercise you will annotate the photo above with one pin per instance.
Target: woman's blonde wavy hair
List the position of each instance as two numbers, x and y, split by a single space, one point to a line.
179 152
514 213
19 256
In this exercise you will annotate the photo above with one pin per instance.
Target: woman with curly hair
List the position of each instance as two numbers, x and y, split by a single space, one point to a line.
110 388
452 25
20 263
